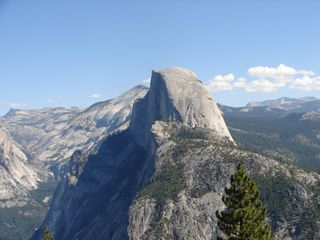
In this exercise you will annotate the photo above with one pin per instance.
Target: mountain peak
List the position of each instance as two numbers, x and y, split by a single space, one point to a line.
12 111
177 73
176 94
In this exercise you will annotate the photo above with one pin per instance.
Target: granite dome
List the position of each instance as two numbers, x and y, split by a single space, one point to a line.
176 94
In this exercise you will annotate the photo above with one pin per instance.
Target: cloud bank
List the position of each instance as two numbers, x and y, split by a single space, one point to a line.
267 79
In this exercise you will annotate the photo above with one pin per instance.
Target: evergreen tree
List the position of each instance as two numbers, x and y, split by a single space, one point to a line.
46 234
244 216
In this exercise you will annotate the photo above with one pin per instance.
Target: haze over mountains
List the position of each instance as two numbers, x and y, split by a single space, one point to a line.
152 163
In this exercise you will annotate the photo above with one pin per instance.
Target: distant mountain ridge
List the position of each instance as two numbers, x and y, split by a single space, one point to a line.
284 102
277 107
51 135
36 147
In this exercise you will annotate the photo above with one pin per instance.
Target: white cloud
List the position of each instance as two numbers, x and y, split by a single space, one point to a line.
261 85
240 83
267 79
226 78
219 86
306 83
54 100
225 83
305 72
275 72
17 105
147 81
95 95
221 83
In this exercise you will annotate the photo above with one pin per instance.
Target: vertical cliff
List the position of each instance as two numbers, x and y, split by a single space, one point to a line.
177 95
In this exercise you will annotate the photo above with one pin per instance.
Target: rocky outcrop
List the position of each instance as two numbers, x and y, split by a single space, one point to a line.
311 116
177 95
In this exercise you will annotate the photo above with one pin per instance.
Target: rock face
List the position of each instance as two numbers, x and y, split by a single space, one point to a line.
16 173
92 201
311 116
87 128
176 94
163 178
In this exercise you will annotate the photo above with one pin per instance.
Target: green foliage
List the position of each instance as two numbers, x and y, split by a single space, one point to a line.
190 133
274 190
166 185
46 234
187 139
244 217
279 193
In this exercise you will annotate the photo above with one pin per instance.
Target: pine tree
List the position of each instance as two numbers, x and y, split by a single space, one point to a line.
46 234
244 216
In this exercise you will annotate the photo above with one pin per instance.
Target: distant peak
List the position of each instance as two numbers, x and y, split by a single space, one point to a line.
11 112
137 90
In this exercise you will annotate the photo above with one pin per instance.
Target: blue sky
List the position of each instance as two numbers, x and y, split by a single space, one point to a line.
77 52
